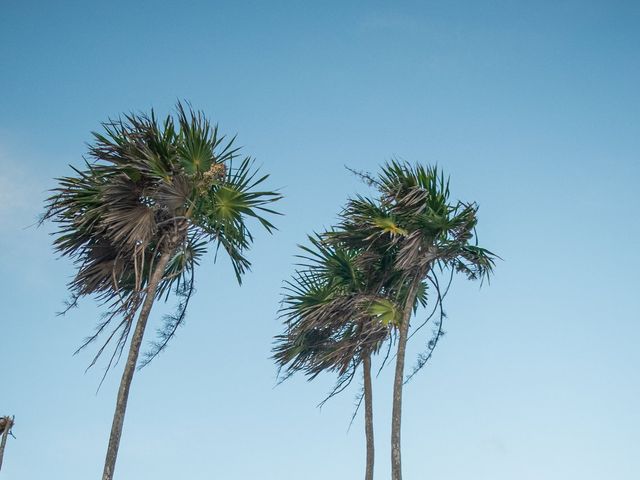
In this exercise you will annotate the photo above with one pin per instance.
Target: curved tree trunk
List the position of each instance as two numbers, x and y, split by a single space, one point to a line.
7 428
368 414
130 366
398 382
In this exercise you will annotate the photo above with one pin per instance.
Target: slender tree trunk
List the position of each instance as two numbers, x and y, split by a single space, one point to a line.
368 414
5 434
130 366
398 382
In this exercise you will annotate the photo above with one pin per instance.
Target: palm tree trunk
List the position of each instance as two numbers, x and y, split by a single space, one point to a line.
130 366
5 434
368 414
398 382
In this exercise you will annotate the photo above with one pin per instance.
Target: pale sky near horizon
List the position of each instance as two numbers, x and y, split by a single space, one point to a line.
532 108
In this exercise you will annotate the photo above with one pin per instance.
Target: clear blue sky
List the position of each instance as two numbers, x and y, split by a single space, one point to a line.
533 108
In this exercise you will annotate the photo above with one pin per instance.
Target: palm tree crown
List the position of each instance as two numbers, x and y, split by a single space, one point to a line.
333 310
340 304
151 187
414 218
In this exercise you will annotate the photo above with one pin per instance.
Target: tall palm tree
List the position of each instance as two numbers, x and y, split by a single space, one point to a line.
326 308
6 424
338 314
413 218
138 218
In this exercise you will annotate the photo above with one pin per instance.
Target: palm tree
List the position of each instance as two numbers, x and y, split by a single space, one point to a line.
338 314
329 326
6 424
138 218
413 218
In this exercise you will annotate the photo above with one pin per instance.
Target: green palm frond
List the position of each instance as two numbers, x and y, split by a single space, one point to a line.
385 311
